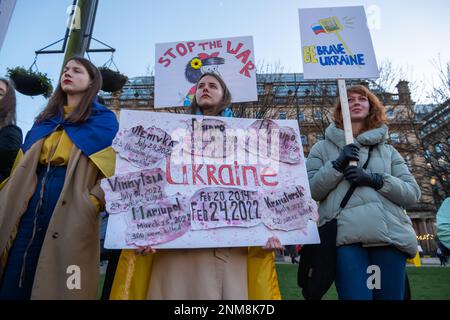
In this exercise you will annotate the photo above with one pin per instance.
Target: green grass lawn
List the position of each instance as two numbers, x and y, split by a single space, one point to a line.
427 283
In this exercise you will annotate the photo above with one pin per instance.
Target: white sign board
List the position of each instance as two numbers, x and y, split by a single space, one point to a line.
185 181
179 65
6 10
336 44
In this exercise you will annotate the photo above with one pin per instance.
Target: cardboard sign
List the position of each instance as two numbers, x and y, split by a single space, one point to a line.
179 65
185 181
336 44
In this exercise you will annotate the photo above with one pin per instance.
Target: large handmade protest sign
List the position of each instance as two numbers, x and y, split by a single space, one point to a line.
186 181
336 44
179 65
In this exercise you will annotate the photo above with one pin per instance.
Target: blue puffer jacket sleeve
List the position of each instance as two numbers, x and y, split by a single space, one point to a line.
323 178
400 186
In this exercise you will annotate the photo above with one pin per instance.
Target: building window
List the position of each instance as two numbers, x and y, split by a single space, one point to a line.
395 137
390 114
304 139
282 115
317 115
301 117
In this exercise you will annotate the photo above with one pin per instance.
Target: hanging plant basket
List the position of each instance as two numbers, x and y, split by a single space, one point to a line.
29 82
112 80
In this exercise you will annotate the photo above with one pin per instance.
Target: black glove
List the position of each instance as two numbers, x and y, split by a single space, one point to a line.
350 152
363 177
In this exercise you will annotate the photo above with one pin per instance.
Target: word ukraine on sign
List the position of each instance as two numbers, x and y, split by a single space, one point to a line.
336 44
179 66
222 207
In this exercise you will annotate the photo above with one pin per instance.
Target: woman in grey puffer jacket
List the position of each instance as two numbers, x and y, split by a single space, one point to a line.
373 228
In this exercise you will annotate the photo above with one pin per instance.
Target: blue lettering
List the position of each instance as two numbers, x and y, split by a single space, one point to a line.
357 59
319 50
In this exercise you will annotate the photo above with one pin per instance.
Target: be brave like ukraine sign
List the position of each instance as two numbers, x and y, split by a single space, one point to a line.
336 44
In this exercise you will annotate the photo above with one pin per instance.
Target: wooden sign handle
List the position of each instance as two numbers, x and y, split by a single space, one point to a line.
346 114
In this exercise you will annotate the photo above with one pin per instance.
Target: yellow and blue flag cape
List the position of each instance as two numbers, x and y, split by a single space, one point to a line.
92 136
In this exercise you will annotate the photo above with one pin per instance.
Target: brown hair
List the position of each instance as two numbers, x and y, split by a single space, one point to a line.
226 98
376 116
8 105
59 98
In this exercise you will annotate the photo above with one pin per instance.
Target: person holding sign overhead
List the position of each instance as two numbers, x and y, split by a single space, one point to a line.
49 222
374 235
206 273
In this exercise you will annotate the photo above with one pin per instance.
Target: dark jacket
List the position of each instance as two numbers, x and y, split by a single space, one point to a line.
10 142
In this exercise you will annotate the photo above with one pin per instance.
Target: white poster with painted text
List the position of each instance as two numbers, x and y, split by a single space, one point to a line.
179 65
185 181
336 44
